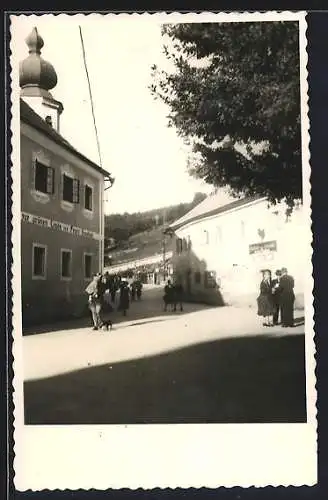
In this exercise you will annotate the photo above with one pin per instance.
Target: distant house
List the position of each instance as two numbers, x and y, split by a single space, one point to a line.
62 220
150 267
221 248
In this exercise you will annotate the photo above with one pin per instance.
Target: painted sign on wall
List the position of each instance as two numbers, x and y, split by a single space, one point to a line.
270 246
59 226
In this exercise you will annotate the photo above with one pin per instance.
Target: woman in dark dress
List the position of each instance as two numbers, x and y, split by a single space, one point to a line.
265 302
124 297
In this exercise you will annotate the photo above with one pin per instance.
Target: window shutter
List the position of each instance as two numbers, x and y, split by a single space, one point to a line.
50 180
76 191
34 162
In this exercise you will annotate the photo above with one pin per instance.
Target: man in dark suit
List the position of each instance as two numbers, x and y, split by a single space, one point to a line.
276 297
287 298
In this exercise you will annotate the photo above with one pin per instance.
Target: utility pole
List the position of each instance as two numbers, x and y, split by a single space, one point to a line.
164 245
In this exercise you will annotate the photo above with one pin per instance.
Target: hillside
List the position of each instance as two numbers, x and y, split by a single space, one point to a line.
138 235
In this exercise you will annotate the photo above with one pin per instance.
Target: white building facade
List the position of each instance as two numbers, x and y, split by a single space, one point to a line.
228 246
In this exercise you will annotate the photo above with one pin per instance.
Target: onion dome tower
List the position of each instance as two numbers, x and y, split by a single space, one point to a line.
36 78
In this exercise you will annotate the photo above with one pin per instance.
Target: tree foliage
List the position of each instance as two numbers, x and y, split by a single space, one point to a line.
234 93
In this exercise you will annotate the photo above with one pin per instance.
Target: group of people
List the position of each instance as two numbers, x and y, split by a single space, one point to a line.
102 292
276 297
173 295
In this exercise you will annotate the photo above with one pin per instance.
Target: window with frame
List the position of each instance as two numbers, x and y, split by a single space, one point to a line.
71 189
87 265
210 279
39 261
88 197
197 277
44 177
66 264
179 245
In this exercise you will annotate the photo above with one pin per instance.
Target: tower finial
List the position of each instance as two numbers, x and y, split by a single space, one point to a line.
34 42
34 71
36 78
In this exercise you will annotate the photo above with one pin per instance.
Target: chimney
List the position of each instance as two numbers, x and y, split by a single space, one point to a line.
49 120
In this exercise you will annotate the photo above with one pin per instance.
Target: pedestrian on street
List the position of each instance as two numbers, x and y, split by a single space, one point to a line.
139 289
178 295
133 291
287 298
276 297
124 297
265 300
106 310
94 291
106 280
112 289
168 293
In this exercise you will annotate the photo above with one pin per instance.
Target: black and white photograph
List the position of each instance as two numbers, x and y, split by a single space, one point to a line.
162 276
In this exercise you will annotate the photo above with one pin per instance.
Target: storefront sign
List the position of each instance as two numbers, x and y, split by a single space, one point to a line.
59 226
270 246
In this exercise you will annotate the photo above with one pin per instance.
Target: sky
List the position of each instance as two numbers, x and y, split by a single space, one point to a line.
147 159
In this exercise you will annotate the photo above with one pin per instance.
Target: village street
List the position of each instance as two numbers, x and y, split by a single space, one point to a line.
202 365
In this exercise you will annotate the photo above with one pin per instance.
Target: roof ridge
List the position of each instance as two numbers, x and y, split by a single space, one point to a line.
197 214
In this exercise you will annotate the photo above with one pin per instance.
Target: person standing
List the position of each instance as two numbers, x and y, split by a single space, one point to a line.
124 297
112 289
106 310
133 290
265 299
178 291
276 297
139 288
94 291
167 297
287 298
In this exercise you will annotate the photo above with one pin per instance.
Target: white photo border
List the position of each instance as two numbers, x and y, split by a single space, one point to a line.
165 456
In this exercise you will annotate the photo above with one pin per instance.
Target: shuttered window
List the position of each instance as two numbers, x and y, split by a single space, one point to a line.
76 191
44 177
88 197
71 189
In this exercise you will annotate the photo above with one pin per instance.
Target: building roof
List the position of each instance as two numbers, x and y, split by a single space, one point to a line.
29 116
216 203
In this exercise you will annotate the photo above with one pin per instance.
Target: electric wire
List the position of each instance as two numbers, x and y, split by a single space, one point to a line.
91 98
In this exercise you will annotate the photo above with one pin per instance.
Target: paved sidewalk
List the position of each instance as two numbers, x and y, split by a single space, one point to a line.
60 352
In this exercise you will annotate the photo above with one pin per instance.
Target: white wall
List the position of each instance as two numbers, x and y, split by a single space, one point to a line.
226 251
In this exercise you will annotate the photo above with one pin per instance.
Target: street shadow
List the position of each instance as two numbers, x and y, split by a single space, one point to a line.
158 320
253 379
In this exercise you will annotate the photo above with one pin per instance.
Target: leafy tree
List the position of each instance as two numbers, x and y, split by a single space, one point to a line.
234 92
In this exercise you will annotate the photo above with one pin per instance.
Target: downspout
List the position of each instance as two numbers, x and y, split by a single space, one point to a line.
102 219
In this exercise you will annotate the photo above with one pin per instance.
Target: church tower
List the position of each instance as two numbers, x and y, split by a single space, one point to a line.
36 78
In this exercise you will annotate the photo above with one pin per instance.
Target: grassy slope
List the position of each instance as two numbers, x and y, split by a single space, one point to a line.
142 245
